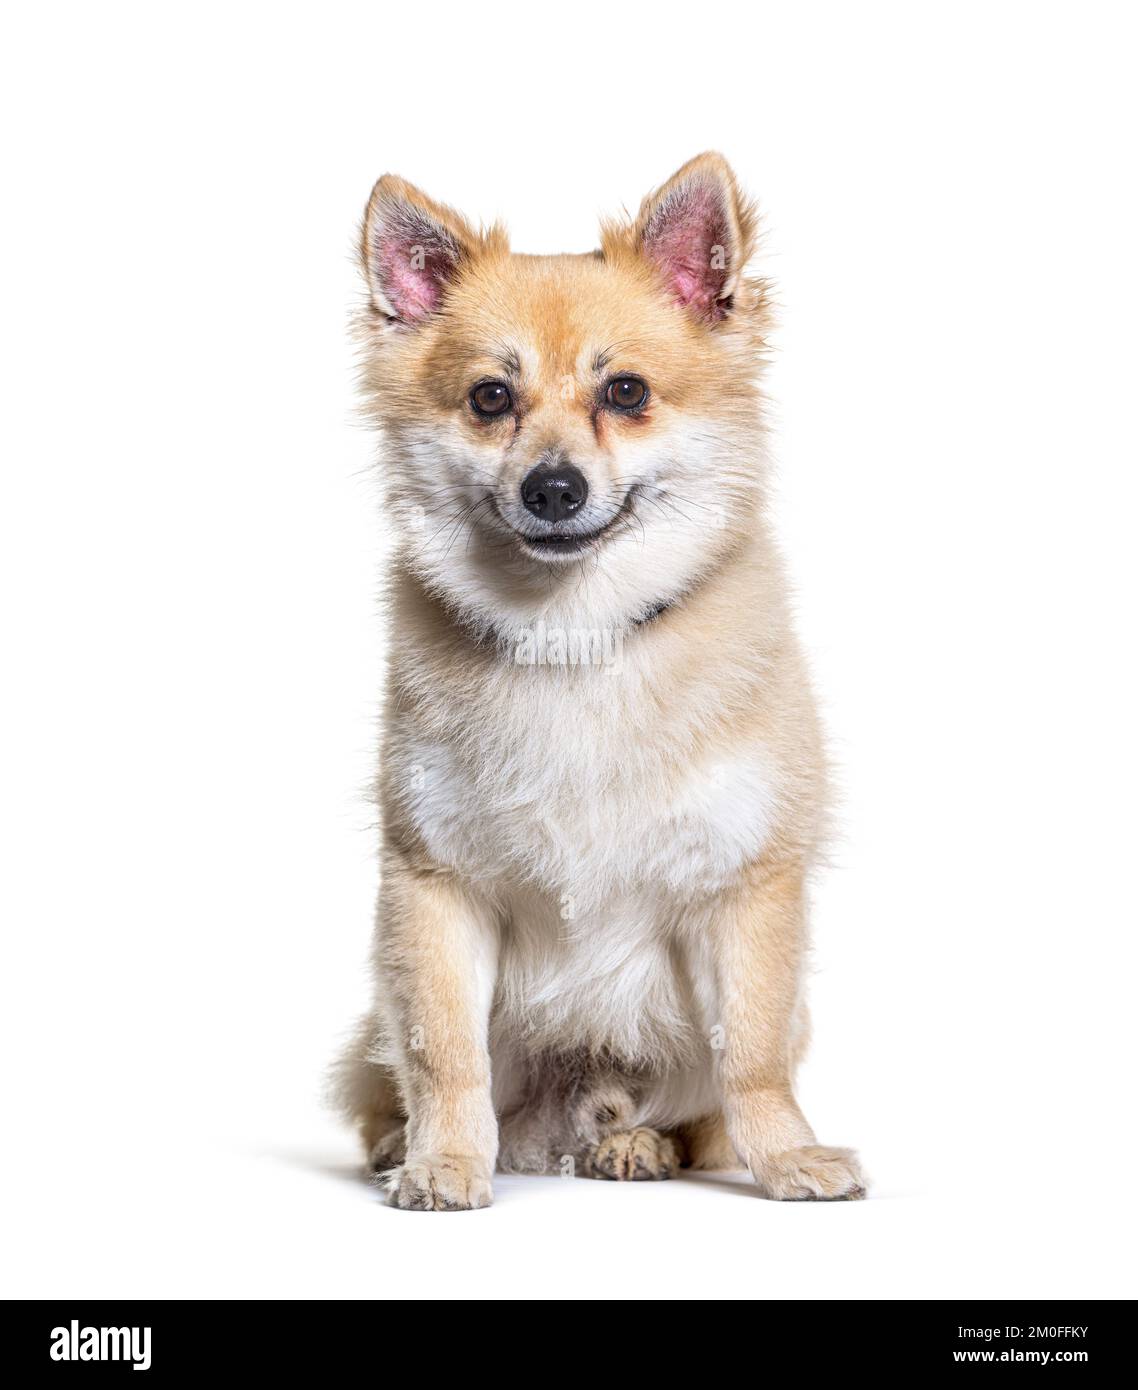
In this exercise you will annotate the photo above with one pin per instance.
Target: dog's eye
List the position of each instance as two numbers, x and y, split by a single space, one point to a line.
491 398
626 393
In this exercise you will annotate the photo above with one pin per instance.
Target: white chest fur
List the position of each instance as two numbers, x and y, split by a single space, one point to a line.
569 790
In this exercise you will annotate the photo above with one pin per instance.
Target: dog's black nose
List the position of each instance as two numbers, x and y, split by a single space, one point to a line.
554 492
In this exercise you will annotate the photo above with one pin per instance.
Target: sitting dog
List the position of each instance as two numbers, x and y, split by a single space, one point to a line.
603 785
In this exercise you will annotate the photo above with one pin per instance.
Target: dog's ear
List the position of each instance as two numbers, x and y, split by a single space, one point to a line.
412 249
698 231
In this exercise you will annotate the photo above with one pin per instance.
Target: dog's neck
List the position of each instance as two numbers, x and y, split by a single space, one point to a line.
486 635
570 616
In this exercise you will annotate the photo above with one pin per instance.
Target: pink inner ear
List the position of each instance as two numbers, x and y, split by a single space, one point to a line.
413 258
688 237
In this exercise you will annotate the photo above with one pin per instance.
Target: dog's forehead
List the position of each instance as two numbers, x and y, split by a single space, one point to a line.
561 315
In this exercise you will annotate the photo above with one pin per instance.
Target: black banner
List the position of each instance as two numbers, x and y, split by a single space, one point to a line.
180 1342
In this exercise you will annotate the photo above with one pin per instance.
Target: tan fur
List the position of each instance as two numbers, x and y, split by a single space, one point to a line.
592 928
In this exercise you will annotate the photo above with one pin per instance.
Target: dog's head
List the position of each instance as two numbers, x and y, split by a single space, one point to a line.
574 437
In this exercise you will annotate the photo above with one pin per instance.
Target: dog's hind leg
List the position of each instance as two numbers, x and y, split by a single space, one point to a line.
704 1145
615 1147
366 1093
578 1118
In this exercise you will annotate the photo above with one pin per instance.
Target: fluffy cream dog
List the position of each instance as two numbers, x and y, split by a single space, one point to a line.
602 779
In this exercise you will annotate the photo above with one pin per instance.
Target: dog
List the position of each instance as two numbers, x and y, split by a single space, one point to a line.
603 785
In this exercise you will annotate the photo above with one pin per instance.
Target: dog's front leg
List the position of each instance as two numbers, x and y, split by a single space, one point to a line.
760 940
438 959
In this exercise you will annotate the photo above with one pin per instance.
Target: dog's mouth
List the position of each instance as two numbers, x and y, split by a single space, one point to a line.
557 543
561 545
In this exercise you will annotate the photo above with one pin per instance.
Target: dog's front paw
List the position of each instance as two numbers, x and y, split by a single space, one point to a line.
810 1174
440 1182
636 1155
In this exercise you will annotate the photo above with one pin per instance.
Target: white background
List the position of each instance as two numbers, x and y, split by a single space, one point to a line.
191 543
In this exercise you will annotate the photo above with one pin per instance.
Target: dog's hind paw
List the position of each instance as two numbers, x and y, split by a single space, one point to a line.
634 1155
388 1150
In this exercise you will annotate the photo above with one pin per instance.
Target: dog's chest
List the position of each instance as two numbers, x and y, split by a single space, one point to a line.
575 789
